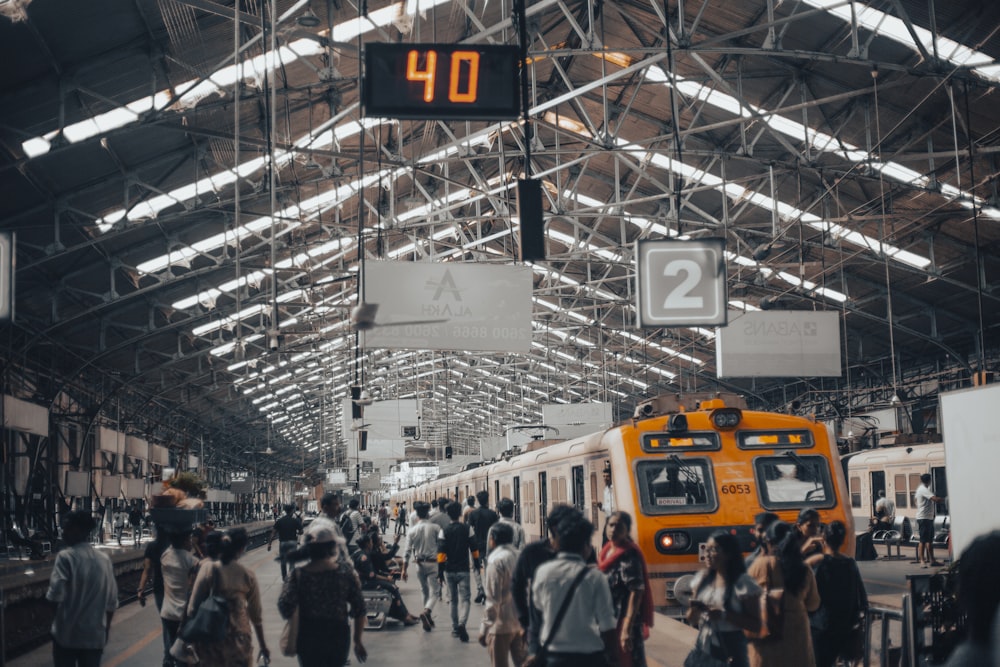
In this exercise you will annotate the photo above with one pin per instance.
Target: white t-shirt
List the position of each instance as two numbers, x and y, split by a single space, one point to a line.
925 506
84 588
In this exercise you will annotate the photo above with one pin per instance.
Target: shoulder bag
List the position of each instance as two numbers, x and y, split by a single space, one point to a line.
543 651
708 651
211 619
290 635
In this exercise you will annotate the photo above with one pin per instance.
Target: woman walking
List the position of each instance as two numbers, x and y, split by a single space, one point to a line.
326 592
621 560
238 585
725 602
782 567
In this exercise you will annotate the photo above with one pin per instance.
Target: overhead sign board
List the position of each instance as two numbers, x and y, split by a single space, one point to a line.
780 343
681 283
449 306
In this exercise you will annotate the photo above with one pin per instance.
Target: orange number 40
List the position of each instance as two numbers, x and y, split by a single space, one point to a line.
427 74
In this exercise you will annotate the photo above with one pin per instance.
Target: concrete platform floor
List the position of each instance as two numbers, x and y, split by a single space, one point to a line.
136 639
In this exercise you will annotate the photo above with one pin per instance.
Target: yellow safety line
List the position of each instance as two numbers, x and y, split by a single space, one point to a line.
134 648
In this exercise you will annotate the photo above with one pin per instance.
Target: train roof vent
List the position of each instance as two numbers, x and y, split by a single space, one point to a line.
666 404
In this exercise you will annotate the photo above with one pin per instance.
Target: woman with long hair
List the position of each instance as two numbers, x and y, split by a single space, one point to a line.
327 593
782 568
837 624
622 561
238 585
725 601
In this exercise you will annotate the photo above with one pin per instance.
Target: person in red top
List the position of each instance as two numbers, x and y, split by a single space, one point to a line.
621 560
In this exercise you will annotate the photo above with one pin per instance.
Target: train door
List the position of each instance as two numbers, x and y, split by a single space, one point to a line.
517 499
877 484
543 501
578 488
593 494
940 486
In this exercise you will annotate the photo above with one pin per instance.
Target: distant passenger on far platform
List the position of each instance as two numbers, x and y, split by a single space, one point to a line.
761 522
83 588
506 509
119 525
979 598
925 500
885 513
500 631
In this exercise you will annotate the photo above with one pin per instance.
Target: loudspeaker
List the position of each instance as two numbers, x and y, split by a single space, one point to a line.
529 210
447 452
355 408
363 441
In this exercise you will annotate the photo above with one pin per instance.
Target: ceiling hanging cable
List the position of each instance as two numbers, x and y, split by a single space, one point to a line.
674 118
239 353
270 108
980 274
884 241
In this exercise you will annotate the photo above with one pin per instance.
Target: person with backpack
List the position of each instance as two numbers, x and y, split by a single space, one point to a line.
837 627
350 524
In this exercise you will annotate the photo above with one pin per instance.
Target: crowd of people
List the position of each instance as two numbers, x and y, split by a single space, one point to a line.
795 601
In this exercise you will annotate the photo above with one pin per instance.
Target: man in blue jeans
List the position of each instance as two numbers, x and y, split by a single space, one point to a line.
454 549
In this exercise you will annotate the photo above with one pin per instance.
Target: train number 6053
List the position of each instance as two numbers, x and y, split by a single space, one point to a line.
735 488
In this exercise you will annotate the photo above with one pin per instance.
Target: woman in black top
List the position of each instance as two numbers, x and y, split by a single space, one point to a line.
327 593
835 626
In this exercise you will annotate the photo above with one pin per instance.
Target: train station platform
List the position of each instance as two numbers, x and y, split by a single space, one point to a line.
136 641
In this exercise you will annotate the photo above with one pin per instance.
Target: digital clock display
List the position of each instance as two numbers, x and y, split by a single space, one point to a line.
441 81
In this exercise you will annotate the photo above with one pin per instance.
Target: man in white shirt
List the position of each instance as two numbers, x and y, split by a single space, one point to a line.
422 548
83 587
506 510
500 631
586 636
925 499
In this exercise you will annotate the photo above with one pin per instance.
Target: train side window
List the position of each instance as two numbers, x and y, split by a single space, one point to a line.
855 492
543 499
914 483
517 499
795 481
902 497
675 486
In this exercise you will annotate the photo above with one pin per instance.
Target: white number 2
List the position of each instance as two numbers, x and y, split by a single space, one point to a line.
680 296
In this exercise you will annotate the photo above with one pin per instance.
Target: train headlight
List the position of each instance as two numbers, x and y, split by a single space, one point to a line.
727 418
672 541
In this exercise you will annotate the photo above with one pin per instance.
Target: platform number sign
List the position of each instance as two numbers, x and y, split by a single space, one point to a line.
6 276
681 283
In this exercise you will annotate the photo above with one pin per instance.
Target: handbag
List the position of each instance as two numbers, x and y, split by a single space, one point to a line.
708 651
183 652
543 651
210 620
290 634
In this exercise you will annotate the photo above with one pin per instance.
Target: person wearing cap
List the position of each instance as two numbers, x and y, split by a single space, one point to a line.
327 593
83 588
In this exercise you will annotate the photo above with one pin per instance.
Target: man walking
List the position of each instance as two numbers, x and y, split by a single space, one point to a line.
454 550
287 529
500 631
481 519
925 500
82 586
401 520
506 509
119 525
421 547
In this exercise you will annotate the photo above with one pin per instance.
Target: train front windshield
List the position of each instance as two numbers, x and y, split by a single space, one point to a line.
794 481
675 486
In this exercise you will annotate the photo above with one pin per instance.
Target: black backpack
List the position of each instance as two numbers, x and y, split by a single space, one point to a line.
347 526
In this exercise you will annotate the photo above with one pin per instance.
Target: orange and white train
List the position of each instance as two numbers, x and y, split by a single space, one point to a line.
684 467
